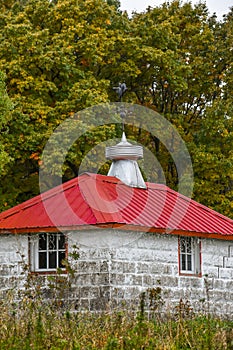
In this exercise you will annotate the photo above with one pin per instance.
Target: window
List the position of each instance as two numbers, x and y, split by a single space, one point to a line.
189 255
47 251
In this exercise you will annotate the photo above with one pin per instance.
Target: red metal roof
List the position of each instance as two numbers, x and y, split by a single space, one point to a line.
102 200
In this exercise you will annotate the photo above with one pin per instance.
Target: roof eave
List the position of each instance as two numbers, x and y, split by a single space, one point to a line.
120 226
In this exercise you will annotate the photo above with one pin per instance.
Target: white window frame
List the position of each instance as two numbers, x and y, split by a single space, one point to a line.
192 248
34 252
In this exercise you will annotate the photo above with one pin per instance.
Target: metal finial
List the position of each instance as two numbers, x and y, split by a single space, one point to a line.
120 90
123 114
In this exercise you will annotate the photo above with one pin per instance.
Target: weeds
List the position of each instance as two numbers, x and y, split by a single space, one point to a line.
35 327
47 329
34 322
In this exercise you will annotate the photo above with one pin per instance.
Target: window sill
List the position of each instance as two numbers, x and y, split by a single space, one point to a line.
49 272
191 274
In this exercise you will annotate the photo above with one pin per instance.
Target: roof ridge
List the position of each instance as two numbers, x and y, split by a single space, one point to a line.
47 194
85 199
109 195
39 198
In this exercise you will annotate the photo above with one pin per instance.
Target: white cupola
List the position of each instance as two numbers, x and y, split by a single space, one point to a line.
124 165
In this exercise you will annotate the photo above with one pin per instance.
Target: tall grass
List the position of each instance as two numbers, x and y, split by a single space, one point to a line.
33 324
32 319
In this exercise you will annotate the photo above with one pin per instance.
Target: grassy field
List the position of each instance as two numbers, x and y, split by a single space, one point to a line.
34 325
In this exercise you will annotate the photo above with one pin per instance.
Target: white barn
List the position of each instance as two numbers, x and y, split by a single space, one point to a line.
133 237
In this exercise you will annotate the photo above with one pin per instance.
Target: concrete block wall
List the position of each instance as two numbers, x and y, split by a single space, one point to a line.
13 257
217 267
115 267
120 271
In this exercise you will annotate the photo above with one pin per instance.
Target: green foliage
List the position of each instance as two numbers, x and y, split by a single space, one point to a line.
46 328
52 54
213 160
5 116
62 56
40 316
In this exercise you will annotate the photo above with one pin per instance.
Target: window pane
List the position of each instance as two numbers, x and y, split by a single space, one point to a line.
189 245
182 245
52 260
52 242
189 261
183 264
189 255
42 260
61 242
42 241
61 256
50 251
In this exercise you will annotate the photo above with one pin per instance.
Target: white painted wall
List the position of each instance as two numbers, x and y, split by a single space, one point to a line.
13 257
136 262
116 266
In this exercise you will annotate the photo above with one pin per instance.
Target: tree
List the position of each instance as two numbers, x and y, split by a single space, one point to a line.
213 158
184 72
62 56
212 152
52 53
5 116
